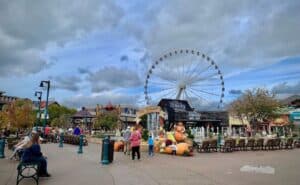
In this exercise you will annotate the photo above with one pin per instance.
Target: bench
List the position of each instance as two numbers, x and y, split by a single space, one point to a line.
28 170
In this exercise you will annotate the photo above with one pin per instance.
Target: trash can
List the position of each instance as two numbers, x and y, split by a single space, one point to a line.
111 151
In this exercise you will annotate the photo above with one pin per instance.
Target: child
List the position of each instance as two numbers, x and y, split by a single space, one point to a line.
150 143
174 148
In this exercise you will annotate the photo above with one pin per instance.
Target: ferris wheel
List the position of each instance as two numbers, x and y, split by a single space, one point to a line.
185 75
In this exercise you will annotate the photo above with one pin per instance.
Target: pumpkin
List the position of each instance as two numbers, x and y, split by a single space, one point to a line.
181 148
179 136
168 150
156 145
118 146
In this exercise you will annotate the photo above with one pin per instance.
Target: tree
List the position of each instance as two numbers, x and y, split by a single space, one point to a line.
108 121
58 115
3 120
255 105
143 121
63 121
19 114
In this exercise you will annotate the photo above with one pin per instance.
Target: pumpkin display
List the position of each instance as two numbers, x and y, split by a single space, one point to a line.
118 146
179 132
156 145
181 148
170 136
168 150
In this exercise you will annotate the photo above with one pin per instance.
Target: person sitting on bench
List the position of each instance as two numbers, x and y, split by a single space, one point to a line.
33 154
19 147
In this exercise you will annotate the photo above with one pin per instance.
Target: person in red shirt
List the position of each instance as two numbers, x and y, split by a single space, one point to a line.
135 140
47 131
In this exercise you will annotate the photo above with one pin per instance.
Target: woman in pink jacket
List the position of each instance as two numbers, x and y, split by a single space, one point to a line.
135 140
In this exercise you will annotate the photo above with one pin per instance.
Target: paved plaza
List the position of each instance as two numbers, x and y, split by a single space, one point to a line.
67 167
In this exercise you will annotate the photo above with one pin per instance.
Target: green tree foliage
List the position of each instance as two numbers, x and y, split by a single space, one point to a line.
58 115
108 121
143 121
255 105
63 121
145 134
18 114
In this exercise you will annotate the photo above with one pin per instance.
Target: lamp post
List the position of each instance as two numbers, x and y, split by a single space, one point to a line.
46 108
38 94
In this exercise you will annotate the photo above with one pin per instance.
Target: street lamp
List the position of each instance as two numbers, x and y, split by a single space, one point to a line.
47 82
38 94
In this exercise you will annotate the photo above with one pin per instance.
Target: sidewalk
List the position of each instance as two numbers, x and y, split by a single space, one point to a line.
68 167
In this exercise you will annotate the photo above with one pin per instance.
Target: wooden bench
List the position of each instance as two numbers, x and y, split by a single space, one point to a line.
28 170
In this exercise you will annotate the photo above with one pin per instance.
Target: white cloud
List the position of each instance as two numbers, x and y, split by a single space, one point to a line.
101 98
28 27
236 34
286 88
112 77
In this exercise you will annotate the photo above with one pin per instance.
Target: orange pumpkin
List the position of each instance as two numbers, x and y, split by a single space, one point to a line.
181 148
118 146
179 136
156 146
168 150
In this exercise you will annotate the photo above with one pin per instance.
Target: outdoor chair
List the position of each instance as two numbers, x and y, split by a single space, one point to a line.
241 145
28 170
269 144
204 147
250 144
277 143
233 144
259 144
213 145
227 146
289 143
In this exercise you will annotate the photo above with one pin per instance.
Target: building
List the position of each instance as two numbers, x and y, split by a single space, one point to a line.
6 99
126 113
180 111
292 101
83 117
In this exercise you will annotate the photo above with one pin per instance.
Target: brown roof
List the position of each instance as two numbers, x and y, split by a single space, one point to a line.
84 113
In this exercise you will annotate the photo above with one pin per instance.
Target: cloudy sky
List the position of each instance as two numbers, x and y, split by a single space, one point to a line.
98 51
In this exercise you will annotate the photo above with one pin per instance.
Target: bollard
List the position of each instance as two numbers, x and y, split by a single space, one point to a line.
61 140
105 152
55 138
2 148
219 140
80 144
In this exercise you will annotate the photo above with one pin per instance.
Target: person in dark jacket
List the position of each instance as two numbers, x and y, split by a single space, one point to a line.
33 154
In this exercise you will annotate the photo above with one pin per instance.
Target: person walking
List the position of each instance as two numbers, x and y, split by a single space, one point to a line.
126 136
135 140
150 146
